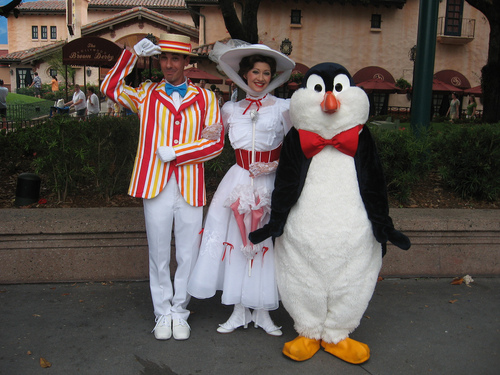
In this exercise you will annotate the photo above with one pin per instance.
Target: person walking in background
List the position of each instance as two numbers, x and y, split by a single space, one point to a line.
168 171
3 103
92 103
454 110
54 84
37 85
110 104
256 127
79 102
471 107
234 92
218 94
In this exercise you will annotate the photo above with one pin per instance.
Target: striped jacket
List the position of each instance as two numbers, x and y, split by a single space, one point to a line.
162 125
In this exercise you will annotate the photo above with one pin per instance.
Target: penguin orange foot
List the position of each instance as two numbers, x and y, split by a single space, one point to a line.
348 350
301 348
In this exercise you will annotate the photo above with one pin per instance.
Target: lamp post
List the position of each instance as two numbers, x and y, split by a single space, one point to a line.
424 65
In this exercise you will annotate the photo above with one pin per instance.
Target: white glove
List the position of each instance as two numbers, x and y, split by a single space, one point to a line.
259 168
165 153
146 48
212 132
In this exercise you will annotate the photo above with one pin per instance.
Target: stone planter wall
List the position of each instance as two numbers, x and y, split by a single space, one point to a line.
104 244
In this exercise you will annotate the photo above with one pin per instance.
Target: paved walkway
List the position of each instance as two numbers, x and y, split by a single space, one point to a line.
413 326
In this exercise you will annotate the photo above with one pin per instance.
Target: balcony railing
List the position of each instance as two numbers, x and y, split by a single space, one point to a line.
461 33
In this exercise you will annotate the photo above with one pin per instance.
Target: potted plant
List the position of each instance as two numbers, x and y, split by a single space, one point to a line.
295 80
403 85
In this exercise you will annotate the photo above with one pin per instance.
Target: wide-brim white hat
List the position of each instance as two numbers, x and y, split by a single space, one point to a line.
228 56
234 56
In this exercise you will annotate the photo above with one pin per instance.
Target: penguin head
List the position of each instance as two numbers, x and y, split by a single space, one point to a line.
328 102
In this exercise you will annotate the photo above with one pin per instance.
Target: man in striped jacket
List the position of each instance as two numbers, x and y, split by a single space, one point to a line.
168 170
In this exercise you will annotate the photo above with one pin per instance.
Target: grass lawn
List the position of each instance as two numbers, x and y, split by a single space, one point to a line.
13 98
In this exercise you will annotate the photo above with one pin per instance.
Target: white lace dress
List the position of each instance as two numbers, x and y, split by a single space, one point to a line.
222 265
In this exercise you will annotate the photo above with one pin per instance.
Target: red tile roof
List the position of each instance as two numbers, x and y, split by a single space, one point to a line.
134 12
43 5
143 3
52 5
32 52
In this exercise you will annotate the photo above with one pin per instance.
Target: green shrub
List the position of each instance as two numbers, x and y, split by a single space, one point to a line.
72 155
404 159
468 159
97 155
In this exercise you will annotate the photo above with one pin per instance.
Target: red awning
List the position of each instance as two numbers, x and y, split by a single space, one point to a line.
196 75
477 91
438 86
377 85
373 72
453 78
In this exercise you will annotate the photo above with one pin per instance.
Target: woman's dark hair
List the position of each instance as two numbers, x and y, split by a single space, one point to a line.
54 77
248 63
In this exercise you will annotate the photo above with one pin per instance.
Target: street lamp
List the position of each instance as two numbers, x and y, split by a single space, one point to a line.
412 54
286 47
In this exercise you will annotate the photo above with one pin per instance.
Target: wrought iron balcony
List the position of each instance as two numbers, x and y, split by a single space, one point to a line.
456 31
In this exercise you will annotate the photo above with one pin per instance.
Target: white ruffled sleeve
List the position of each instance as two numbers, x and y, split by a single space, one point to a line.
284 105
227 111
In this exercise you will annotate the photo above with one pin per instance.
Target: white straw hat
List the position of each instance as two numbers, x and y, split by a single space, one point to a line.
176 43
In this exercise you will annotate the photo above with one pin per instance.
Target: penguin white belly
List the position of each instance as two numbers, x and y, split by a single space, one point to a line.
327 259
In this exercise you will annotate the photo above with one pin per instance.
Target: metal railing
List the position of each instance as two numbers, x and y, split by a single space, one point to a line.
23 112
466 29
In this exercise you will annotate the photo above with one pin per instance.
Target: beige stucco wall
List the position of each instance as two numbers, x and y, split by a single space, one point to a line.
19 30
342 34
329 32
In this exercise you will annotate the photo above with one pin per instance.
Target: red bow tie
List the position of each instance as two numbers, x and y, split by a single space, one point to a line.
346 142
257 102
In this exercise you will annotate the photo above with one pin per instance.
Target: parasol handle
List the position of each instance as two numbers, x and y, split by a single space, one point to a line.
253 116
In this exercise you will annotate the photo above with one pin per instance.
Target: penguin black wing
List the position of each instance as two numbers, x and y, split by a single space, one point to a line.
290 178
373 191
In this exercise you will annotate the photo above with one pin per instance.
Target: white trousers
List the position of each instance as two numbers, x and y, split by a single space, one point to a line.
167 209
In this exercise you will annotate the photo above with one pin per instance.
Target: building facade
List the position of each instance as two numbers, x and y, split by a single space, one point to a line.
373 39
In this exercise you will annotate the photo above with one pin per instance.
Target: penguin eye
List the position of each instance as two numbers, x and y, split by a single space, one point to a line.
340 83
316 83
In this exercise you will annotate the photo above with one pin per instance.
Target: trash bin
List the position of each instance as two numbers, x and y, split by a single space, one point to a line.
28 189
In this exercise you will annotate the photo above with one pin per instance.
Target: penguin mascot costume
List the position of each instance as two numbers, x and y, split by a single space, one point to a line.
330 216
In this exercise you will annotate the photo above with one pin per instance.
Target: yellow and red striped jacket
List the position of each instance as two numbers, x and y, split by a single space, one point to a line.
162 125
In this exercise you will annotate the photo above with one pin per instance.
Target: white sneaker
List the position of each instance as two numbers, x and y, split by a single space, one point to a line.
181 329
240 317
262 319
163 327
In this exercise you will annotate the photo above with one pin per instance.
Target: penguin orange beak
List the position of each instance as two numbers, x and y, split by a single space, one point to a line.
330 104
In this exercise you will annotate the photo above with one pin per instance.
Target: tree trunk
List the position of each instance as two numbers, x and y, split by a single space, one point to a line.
246 29
490 73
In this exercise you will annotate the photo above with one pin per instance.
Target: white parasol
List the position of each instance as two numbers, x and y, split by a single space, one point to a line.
251 207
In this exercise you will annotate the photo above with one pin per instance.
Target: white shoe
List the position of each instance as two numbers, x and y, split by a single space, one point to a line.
181 329
262 319
163 327
240 317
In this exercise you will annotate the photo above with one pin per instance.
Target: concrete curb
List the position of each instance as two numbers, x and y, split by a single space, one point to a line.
95 244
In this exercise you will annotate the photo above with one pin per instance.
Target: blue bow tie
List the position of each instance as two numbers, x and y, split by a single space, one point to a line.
169 89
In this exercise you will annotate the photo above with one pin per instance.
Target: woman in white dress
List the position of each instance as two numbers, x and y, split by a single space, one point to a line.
256 126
